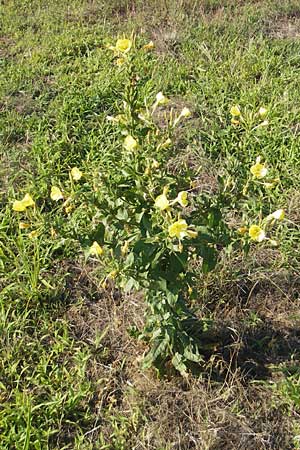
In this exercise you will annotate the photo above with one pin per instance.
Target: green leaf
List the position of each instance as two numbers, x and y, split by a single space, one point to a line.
122 214
158 350
139 216
179 365
129 260
130 285
191 355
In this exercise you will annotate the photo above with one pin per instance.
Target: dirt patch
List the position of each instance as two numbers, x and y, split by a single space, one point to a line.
284 28
6 47
21 102
95 311
293 208
190 161
14 164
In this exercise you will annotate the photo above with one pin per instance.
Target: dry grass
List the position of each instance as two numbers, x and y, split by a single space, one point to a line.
223 408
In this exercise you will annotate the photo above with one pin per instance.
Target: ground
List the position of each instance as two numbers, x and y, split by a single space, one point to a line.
70 372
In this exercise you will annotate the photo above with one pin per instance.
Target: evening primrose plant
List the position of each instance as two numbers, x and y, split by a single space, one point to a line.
150 227
146 227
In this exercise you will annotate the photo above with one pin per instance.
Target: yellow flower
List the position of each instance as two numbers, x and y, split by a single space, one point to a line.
185 112
76 174
182 198
242 230
235 122
235 111
21 205
56 194
143 116
125 248
273 242
165 144
96 249
23 225
258 170
123 45
161 99
147 171
155 164
130 143
149 46
262 112
269 185
69 209
120 61
33 234
276 215
180 230
18 206
256 233
112 275
162 202
263 124
117 119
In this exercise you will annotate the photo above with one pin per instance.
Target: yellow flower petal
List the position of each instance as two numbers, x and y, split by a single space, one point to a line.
69 209
112 275
21 205
161 99
123 45
262 112
130 143
162 202
192 234
56 194
235 111
273 242
125 248
242 230
96 249
258 170
120 61
165 144
185 112
33 234
18 206
182 199
155 164
28 201
149 46
276 215
23 225
256 233
178 229
76 174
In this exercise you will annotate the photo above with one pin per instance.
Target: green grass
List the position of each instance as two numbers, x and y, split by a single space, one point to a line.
69 373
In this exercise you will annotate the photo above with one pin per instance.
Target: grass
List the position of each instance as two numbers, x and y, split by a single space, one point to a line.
70 375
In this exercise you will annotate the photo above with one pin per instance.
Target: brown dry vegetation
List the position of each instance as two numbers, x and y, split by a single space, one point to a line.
231 404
